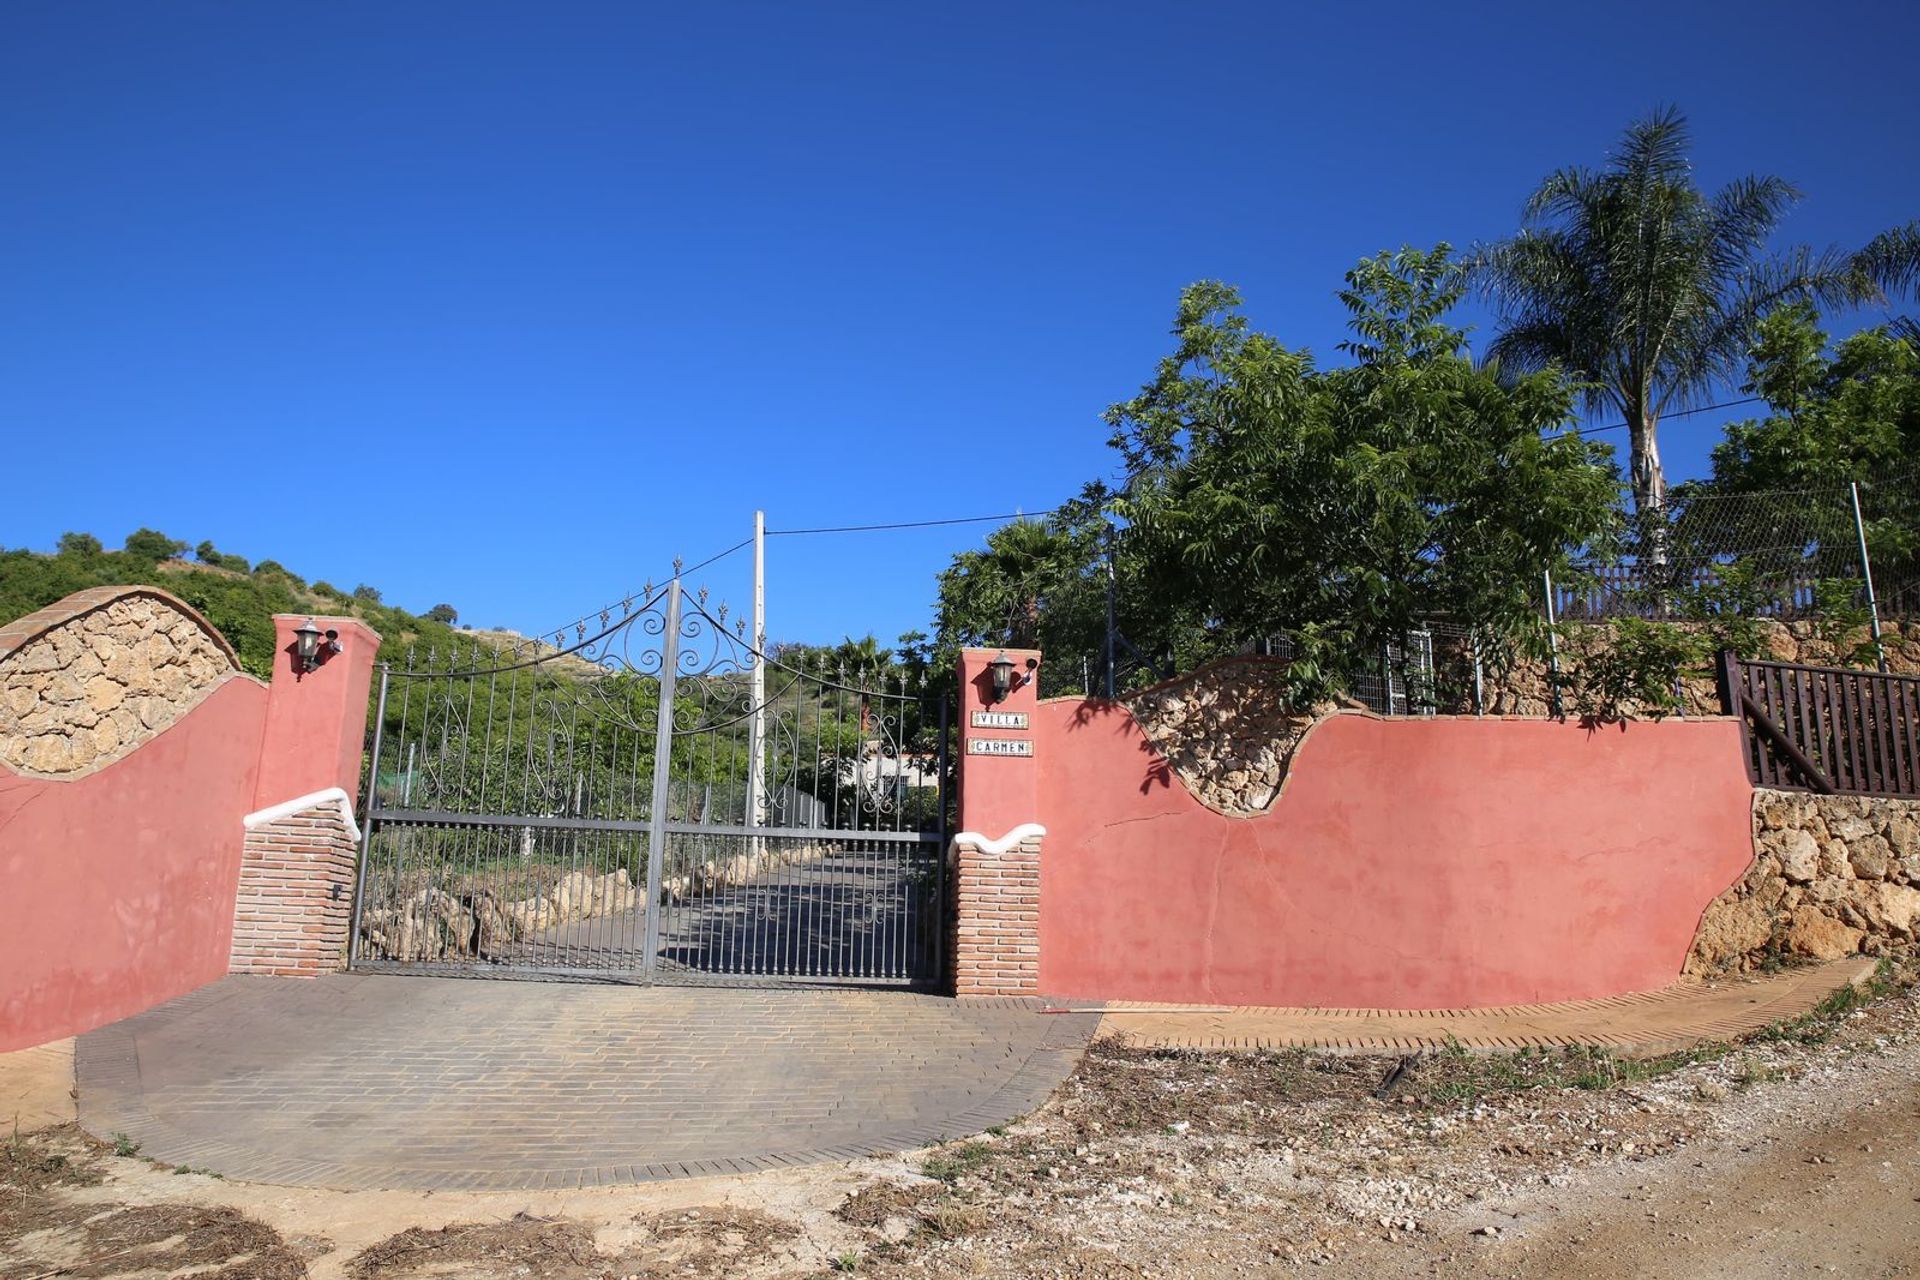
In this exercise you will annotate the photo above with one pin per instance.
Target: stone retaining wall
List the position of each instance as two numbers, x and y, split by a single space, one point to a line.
1227 729
85 681
1521 686
1831 876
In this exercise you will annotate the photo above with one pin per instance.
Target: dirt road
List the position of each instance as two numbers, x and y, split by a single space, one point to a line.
1795 1153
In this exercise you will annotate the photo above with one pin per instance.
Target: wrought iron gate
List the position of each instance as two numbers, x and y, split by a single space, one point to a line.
652 799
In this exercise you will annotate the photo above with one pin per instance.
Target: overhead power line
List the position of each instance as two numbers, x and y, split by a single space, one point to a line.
1678 413
907 524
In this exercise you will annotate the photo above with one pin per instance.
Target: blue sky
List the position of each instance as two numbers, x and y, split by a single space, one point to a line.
507 304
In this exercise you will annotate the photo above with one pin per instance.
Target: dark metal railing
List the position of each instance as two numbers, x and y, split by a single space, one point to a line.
1831 730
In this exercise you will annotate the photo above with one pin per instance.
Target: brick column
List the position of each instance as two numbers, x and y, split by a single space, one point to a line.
996 926
297 864
296 889
994 863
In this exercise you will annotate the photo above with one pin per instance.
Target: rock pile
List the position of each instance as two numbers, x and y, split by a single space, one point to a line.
451 924
87 691
1832 876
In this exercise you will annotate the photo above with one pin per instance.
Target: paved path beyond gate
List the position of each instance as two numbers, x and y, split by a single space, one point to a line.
362 1080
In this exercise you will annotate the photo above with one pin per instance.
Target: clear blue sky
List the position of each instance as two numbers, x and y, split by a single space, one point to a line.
506 304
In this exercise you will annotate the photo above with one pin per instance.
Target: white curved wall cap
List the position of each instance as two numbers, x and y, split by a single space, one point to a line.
1004 843
299 804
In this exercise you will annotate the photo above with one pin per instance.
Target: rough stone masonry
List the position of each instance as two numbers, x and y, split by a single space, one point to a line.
1831 876
98 674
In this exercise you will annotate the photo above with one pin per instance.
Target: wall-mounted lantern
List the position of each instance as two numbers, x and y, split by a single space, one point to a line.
312 646
1006 675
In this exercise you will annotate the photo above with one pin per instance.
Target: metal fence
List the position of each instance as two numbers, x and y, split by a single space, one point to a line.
1785 553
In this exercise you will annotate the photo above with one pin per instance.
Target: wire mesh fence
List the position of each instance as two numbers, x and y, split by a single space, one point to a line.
1845 555
1783 553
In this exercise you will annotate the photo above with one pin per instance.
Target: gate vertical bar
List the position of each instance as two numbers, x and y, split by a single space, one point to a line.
366 818
662 777
938 914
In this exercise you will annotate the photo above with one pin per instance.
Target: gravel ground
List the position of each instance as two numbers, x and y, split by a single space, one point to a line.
1797 1151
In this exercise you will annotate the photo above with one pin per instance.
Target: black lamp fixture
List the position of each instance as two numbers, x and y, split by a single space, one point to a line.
311 645
1001 669
1005 680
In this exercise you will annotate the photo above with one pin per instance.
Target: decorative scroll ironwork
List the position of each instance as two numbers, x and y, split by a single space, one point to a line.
524 793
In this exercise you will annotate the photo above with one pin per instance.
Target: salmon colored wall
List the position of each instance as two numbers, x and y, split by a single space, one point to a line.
1422 863
997 793
117 888
316 719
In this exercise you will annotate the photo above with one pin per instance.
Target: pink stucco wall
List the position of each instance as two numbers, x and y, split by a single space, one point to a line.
1422 863
119 886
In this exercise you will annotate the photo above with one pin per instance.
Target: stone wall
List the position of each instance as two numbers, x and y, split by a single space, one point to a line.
1520 687
1831 876
85 681
1227 730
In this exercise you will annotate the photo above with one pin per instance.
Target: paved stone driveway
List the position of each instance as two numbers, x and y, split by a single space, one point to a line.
362 1080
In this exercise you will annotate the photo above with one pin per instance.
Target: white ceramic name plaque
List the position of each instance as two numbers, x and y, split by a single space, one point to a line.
999 746
999 720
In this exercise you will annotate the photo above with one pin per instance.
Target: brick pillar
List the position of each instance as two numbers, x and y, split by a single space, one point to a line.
297 863
296 890
994 863
996 927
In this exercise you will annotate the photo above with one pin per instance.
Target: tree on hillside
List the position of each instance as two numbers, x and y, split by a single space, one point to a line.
443 613
79 544
366 594
1647 289
151 544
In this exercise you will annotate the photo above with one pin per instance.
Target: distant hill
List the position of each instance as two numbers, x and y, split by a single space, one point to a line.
238 598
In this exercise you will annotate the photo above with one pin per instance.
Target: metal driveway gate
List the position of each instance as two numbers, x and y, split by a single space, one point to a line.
653 800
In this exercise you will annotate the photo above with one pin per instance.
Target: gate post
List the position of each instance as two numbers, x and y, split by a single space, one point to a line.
662 779
297 863
994 861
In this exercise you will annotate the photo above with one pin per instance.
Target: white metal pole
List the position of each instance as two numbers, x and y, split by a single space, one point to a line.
757 725
1866 571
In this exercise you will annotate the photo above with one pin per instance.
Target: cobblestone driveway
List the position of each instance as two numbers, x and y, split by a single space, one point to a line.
362 1080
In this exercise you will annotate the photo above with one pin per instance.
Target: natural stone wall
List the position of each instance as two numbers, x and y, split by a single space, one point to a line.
1227 730
1520 687
1832 876
85 681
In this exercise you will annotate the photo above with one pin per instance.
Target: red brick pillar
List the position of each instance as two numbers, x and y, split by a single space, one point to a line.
995 860
297 863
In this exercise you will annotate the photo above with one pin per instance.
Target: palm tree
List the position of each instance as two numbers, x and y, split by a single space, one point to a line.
1891 261
1642 286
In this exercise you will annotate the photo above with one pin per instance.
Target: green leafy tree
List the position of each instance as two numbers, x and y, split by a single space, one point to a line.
151 544
80 544
1839 414
443 613
1347 506
366 594
1647 289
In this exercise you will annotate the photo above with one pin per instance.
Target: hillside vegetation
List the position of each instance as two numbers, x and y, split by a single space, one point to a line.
237 598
